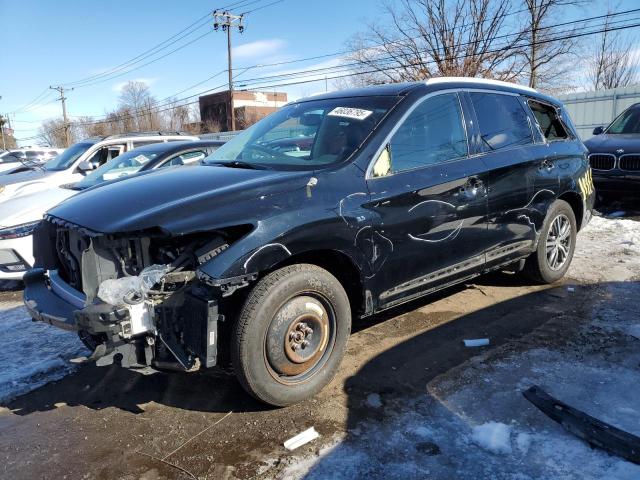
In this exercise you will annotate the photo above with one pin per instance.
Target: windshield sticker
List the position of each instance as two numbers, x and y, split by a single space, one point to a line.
354 113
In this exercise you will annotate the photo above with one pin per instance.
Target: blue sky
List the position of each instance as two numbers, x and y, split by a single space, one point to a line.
49 43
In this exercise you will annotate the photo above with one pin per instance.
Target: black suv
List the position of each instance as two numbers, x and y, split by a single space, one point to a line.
614 154
260 258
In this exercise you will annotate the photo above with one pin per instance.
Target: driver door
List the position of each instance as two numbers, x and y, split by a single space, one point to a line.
430 200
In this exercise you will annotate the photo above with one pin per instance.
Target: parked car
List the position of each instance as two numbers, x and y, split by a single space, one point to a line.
12 159
76 161
20 215
260 258
614 154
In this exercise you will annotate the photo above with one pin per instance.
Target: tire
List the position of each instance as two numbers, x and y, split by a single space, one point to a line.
282 312
543 268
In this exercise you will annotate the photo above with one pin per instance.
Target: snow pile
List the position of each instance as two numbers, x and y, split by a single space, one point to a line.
32 353
612 245
494 437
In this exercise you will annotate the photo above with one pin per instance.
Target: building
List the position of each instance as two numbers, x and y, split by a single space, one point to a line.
248 106
589 110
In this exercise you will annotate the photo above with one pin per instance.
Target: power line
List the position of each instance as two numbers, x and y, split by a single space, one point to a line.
315 72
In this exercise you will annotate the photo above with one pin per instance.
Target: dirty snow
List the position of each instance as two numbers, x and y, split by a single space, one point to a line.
494 437
612 244
32 354
473 421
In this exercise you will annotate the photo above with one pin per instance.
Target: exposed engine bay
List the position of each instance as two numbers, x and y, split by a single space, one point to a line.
144 305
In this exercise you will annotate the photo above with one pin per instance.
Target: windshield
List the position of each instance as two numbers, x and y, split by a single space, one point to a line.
306 135
627 122
121 166
67 157
10 157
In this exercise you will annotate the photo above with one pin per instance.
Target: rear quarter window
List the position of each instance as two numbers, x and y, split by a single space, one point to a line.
548 121
502 120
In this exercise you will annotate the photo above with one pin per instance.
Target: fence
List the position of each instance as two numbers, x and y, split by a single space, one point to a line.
593 109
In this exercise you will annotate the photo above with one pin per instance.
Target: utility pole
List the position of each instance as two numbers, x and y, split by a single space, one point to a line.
67 137
227 21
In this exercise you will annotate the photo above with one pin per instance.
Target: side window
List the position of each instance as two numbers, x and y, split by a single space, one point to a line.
188 158
142 143
502 121
547 119
433 133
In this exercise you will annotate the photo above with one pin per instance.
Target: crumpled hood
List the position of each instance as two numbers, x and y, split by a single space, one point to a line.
31 207
604 143
180 201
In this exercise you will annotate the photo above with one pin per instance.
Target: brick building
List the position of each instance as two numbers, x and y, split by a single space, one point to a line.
249 107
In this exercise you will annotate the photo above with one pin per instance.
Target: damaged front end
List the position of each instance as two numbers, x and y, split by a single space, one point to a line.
135 299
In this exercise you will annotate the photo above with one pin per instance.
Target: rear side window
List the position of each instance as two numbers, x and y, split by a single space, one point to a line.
502 121
433 133
548 121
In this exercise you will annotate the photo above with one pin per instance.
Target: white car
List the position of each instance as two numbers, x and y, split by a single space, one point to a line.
20 215
20 157
76 161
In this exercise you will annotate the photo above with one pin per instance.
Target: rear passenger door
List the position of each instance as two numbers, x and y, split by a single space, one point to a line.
429 196
515 166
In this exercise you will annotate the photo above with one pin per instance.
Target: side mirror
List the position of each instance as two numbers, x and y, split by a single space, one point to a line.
598 130
86 166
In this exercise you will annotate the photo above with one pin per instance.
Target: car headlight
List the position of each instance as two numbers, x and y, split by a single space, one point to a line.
18 231
1 188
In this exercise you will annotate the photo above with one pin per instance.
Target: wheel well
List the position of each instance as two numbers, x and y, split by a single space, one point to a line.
575 201
340 266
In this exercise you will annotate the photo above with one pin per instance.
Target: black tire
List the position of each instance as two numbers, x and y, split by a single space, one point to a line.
539 267
268 354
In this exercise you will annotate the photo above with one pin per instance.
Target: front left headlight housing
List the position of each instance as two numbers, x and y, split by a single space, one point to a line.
18 231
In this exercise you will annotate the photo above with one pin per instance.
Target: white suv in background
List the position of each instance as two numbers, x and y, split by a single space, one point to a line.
74 162
18 157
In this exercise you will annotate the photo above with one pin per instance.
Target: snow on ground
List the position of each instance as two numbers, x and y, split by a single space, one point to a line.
473 421
615 243
32 353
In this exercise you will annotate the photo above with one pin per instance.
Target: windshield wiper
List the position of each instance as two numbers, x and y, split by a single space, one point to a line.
238 164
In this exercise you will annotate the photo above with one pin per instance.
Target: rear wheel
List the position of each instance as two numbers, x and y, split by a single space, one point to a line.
291 334
556 245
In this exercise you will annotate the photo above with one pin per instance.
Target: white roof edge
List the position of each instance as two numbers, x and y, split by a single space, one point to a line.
486 81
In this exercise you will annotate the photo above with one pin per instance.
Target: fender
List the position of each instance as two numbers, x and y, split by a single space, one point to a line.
319 217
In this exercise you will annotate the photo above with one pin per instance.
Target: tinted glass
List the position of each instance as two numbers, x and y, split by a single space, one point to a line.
502 121
432 133
67 157
122 166
303 136
547 118
627 122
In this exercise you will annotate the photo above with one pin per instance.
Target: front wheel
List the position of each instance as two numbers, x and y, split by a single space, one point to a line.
556 245
291 334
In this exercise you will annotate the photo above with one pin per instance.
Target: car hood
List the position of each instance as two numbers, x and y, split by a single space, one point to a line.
24 176
605 143
31 207
179 201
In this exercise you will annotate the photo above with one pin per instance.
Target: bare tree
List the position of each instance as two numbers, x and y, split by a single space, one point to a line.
548 49
615 62
52 131
419 39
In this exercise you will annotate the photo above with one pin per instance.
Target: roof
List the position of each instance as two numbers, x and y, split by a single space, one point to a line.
433 84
